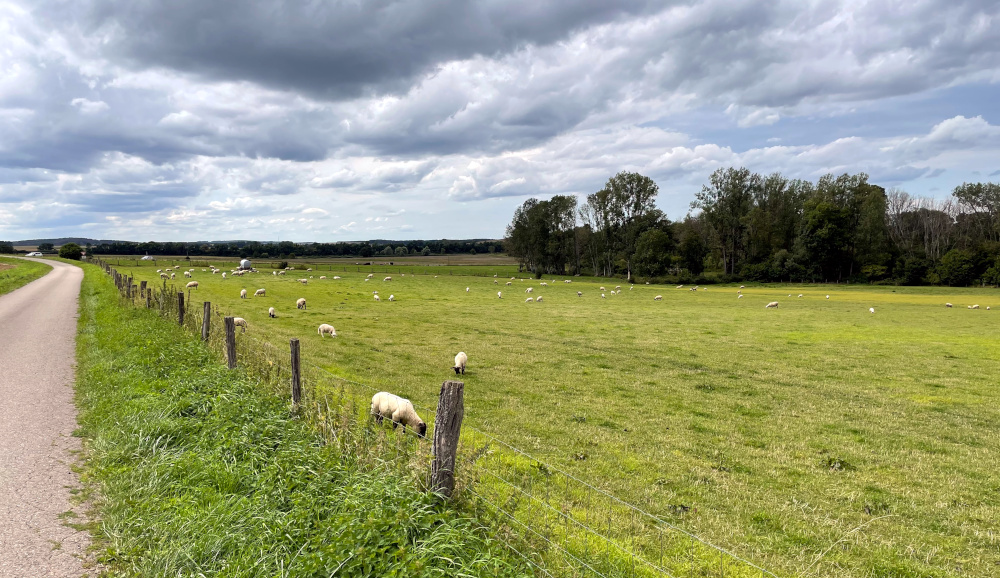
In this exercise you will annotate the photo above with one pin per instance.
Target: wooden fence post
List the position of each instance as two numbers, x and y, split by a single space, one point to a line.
180 308
447 427
230 342
142 288
206 320
149 294
296 375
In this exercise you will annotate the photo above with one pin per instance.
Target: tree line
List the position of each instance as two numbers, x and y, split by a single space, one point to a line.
288 249
748 226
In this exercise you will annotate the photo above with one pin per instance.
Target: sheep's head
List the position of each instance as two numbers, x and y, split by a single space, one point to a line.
457 369
422 429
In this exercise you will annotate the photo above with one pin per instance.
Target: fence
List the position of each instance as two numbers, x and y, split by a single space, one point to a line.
560 524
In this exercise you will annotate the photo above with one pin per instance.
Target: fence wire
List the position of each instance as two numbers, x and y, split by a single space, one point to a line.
559 524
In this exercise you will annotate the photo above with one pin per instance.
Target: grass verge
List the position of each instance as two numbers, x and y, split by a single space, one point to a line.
16 273
200 473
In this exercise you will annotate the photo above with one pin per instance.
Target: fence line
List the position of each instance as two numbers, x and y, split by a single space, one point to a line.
548 510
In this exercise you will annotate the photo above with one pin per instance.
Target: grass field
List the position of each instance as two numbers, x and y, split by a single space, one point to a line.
814 439
15 273
199 472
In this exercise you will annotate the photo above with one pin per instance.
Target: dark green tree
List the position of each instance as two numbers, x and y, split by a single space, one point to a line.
71 251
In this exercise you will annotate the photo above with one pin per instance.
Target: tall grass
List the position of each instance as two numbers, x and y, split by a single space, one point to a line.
201 472
15 273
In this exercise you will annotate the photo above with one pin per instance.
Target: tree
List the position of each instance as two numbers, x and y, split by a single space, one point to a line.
71 251
726 204
957 268
425 251
982 200
46 247
401 251
618 214
693 252
6 247
653 250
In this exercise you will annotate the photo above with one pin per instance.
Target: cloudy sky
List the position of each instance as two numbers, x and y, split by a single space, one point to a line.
324 120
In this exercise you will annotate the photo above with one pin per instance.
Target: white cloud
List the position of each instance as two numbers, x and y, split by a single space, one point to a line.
89 106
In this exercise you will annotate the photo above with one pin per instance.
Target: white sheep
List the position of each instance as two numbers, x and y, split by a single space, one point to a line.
508 283
800 295
529 300
327 329
658 298
739 296
243 293
827 296
187 274
274 273
335 277
602 296
173 275
529 290
680 286
975 306
579 294
771 304
539 300
303 281
192 285
240 322
301 303
370 275
164 276
260 293
387 279
376 298
499 294
159 270
460 360
466 289
271 313
399 410
309 269
392 297
743 286
871 310
223 274
618 287
544 284
281 272
948 305
603 289
322 276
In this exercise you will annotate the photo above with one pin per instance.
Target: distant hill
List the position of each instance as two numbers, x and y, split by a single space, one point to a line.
82 241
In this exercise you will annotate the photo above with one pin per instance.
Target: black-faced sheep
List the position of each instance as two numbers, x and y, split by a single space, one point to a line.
399 410
271 313
301 303
243 293
460 361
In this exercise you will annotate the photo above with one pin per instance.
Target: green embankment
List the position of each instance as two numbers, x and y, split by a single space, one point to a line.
199 473
15 273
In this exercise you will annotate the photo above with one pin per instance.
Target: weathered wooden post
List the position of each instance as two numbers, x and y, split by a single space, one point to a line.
142 288
447 427
149 295
206 320
230 342
296 375
180 308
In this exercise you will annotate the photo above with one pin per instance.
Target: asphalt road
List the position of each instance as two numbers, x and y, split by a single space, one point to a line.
37 419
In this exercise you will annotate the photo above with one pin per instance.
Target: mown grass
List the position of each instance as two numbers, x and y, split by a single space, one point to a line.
201 473
16 273
815 439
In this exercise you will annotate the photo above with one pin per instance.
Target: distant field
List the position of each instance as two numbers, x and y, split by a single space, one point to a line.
328 262
16 273
816 438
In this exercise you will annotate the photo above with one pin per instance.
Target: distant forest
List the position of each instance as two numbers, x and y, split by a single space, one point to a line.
288 249
746 226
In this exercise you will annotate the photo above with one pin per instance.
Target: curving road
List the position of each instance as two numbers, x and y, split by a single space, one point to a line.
37 419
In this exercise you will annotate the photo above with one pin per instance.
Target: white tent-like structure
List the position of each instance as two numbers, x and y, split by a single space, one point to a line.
246 265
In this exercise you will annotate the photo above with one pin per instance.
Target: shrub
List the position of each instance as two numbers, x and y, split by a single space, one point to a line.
282 264
71 251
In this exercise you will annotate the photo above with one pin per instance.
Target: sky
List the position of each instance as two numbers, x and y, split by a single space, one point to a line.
330 120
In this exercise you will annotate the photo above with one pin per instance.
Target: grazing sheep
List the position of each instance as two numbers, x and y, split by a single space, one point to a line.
495 282
335 277
529 300
603 289
680 286
387 279
275 273
800 295
243 293
192 285
281 272
827 296
499 295
271 313
187 274
743 286
602 296
370 275
322 276
303 281
377 298
771 304
159 270
392 297
975 307
260 293
309 269
579 294
399 410
949 305
658 298
466 289
618 287
508 283
301 303
223 274
539 300
327 329
240 322
460 360
173 275
871 310
739 296
164 276
528 290
544 284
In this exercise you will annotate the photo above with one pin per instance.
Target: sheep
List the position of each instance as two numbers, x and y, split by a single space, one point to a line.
370 275
544 284
800 295
322 276
399 410
192 285
739 297
495 282
223 274
303 281
566 281
602 296
243 293
376 298
499 294
335 277
326 329
374 292
466 289
658 298
460 360
392 297
618 287
274 273
159 270
529 290
309 269
529 300
387 279
367 279
579 293
948 305
301 303
260 293
539 300
281 272
187 274
871 310
240 322
508 283
603 289
680 286
173 275
164 276
271 313
771 304
743 286
975 307
827 296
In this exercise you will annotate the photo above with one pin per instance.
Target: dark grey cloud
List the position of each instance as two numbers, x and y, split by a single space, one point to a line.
332 49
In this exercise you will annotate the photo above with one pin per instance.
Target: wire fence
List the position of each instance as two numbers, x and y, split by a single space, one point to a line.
560 524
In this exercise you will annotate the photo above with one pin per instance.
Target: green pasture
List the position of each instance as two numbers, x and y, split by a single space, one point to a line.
814 439
15 273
